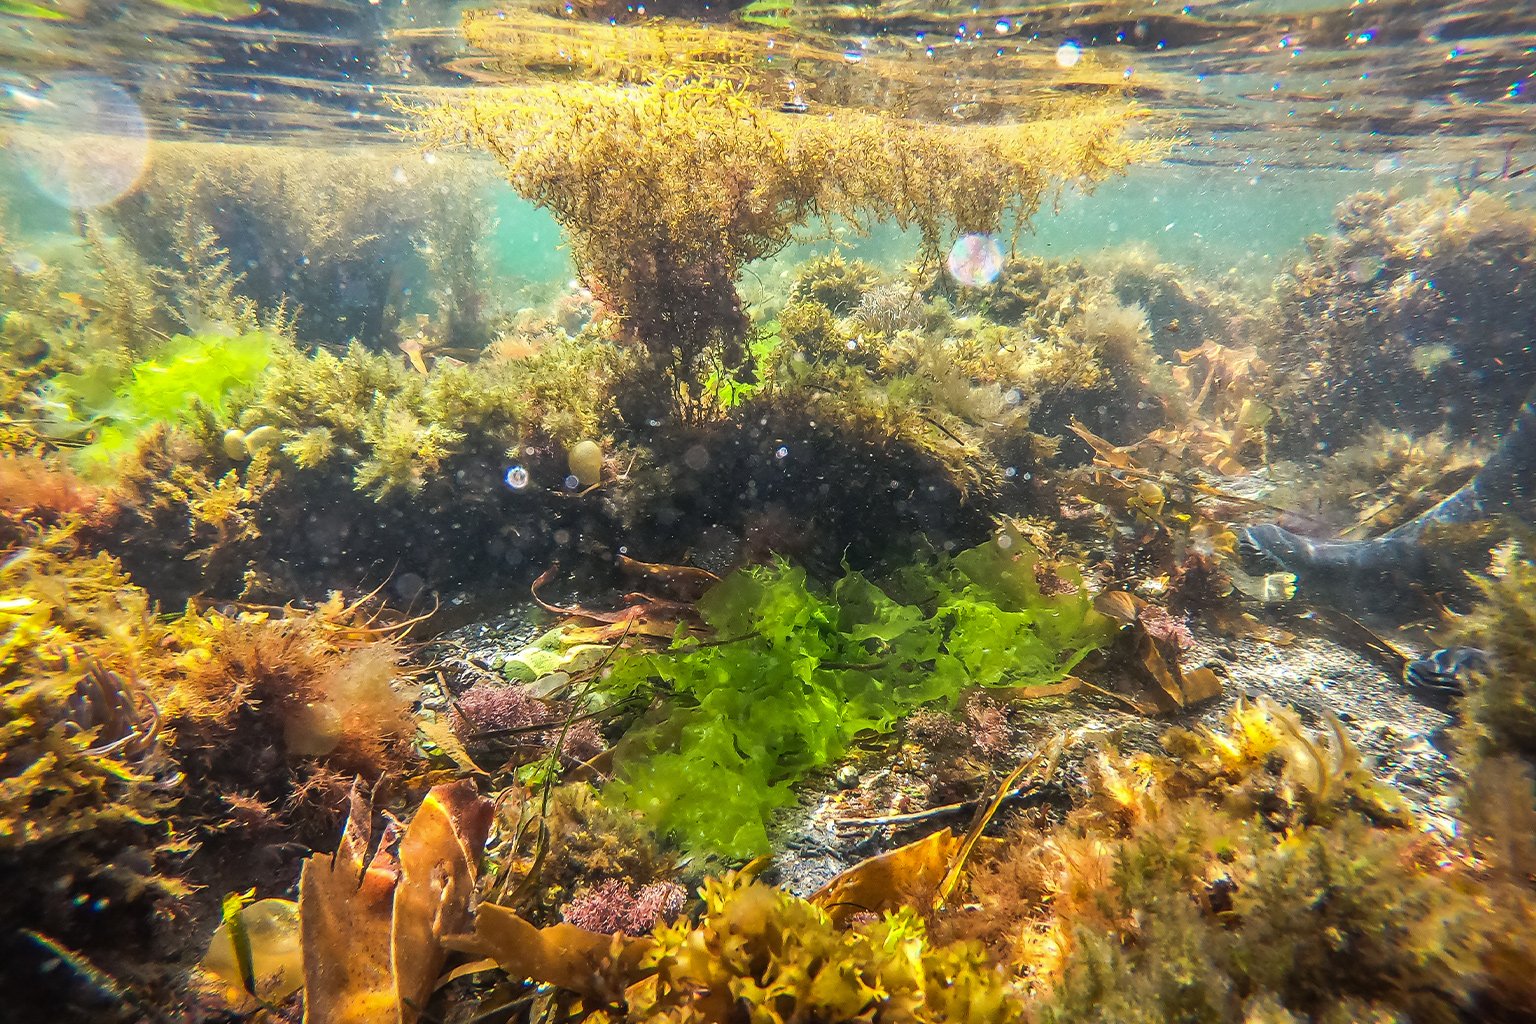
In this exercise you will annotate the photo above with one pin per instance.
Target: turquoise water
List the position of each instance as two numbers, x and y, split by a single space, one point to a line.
1244 217
1280 109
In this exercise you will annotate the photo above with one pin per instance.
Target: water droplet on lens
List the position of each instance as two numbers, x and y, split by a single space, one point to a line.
975 260
83 143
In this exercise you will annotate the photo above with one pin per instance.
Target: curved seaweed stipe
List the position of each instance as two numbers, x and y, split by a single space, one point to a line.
1404 554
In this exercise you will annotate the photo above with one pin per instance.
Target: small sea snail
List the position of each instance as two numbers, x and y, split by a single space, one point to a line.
586 461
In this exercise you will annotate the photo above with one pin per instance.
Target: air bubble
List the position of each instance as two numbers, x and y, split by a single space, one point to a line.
975 260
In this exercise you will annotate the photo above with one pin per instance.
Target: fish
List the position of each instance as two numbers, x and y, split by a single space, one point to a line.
1270 588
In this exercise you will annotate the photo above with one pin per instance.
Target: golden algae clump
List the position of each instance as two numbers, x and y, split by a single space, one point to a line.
837 283
668 189
1255 871
1499 709
88 785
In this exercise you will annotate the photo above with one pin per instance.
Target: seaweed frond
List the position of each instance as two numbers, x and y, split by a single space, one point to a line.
668 189
1498 712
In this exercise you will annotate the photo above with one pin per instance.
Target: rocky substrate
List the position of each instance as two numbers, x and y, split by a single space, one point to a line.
884 793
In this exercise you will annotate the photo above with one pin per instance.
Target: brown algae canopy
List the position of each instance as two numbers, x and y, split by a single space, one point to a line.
669 182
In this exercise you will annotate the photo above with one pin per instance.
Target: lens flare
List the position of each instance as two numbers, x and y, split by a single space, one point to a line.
83 143
975 260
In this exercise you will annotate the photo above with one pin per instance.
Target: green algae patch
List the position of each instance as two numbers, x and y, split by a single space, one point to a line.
794 674
188 378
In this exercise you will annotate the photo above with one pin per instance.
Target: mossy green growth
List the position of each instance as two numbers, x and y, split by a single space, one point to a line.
189 376
397 430
794 675
731 388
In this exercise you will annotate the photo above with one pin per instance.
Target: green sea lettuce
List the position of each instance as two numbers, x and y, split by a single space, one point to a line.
187 377
794 674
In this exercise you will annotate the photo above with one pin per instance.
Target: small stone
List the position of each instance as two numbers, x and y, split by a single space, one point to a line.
847 776
234 444
263 439
586 463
